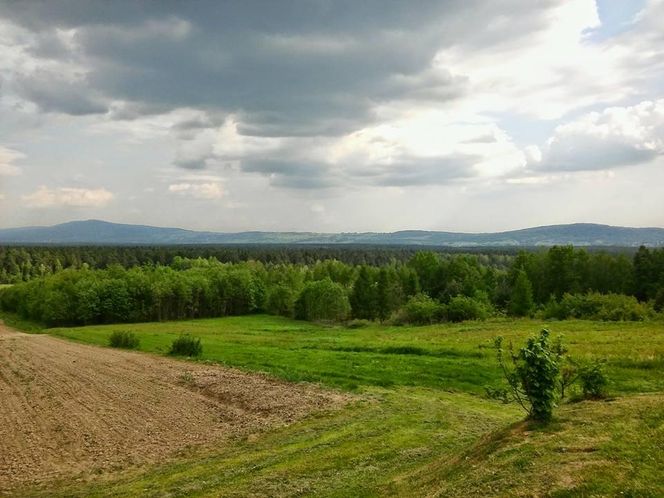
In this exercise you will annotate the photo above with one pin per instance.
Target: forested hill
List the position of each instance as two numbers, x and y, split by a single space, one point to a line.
104 233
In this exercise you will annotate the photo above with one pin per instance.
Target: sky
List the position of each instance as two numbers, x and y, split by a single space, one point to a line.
332 115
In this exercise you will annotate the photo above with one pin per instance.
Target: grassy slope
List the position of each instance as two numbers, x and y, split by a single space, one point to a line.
413 437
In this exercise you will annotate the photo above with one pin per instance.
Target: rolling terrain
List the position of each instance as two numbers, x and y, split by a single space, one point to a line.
69 408
417 422
94 232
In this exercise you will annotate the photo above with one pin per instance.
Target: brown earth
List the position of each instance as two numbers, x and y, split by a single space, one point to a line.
70 409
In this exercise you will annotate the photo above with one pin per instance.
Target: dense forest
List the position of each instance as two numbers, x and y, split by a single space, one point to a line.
20 264
70 286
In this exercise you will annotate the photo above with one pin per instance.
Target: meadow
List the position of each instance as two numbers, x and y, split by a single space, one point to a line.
420 424
454 357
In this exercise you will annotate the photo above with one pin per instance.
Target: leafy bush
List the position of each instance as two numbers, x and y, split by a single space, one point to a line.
533 374
462 308
421 310
186 345
595 306
123 339
280 301
593 380
322 300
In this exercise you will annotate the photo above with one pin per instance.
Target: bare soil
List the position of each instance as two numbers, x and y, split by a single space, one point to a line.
69 409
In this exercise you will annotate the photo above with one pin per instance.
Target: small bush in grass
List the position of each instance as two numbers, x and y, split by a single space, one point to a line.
186 345
532 376
593 380
123 339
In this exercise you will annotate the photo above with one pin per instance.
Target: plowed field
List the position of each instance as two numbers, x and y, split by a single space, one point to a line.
68 409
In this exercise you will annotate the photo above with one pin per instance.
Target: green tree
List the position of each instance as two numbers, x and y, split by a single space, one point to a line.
280 300
364 297
390 294
521 298
322 300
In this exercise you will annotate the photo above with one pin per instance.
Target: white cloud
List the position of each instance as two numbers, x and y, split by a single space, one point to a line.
558 68
7 158
67 196
209 190
617 136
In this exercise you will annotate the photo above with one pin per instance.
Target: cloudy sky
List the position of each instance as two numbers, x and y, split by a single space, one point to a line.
332 115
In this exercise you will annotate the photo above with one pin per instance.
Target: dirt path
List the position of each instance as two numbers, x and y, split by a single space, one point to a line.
68 408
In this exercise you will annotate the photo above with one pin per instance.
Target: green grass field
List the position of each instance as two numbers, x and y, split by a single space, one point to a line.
421 425
455 357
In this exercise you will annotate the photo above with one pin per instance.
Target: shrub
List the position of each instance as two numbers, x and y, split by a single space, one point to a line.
421 310
593 380
186 345
123 339
322 300
595 306
533 374
462 308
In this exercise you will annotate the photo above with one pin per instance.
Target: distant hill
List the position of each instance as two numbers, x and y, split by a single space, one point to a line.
95 232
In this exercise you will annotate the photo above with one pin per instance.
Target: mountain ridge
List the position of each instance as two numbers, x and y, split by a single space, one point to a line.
99 232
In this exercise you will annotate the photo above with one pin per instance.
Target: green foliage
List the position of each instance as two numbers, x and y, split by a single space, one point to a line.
521 298
186 345
123 339
594 306
281 301
392 289
533 374
659 300
322 300
462 308
81 286
593 380
364 297
648 273
421 310
117 295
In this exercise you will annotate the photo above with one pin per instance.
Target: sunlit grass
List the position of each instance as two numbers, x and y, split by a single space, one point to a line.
421 425
455 357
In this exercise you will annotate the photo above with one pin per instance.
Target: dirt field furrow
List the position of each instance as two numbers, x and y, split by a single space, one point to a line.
68 409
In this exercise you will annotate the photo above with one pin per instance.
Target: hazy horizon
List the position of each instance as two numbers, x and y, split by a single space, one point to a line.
332 116
94 220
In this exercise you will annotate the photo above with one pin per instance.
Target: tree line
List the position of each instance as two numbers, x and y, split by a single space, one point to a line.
20 264
561 282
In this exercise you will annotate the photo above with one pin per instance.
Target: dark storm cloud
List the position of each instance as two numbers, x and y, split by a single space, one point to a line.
290 69
304 67
54 94
293 173
421 171
406 171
